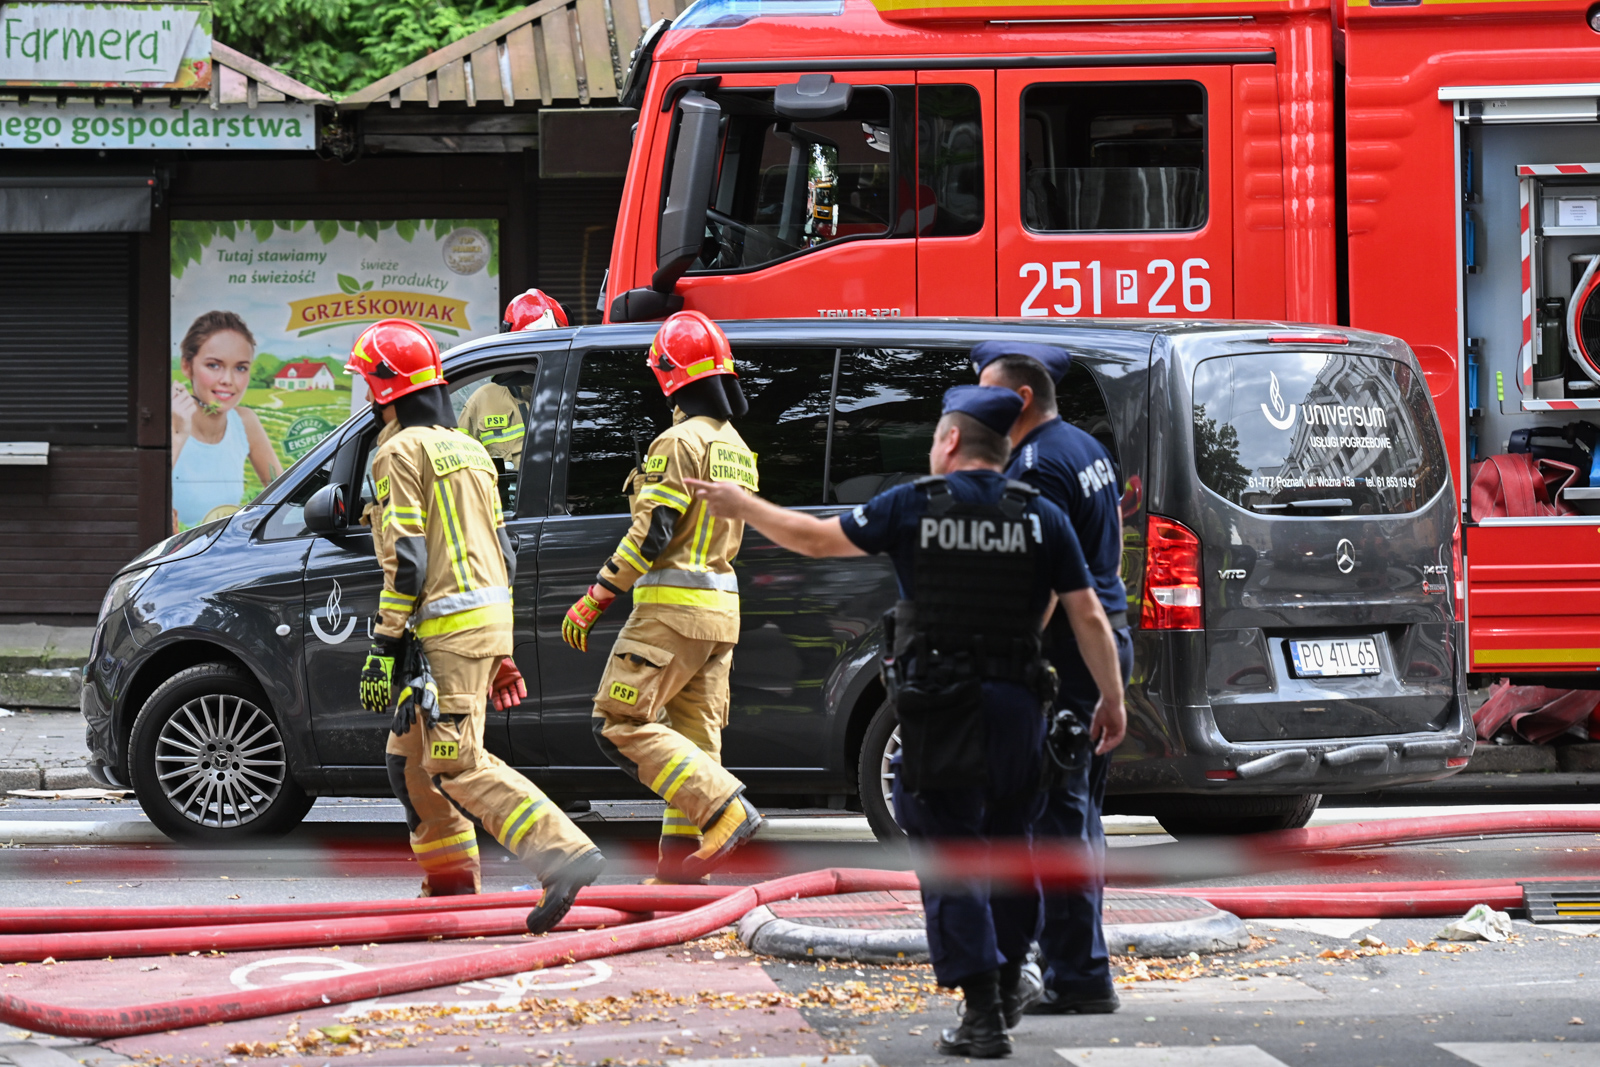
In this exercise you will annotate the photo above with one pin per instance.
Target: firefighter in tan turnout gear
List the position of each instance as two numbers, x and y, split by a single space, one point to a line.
496 416
448 566
663 700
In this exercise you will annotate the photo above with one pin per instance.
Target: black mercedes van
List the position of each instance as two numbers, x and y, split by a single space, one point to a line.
1287 522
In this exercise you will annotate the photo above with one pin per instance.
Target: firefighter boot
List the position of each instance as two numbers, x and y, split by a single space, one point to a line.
679 839
561 889
982 1033
734 825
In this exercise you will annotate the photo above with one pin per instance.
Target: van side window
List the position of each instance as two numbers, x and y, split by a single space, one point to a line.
1118 156
887 405
786 187
619 411
949 160
1080 402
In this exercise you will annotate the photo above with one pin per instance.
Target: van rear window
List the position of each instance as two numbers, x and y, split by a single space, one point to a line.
1316 434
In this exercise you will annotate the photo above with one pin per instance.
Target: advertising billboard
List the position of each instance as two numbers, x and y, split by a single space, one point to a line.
263 316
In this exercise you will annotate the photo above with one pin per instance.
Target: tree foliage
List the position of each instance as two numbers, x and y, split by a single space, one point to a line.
338 46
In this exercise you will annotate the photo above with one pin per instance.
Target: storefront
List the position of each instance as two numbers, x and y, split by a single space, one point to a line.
185 261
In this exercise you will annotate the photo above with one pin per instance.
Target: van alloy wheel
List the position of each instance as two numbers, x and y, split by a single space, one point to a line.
220 760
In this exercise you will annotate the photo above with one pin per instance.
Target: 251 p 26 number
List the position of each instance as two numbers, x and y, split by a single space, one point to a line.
1165 282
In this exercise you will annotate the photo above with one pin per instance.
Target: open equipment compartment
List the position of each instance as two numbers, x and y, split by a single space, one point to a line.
1531 287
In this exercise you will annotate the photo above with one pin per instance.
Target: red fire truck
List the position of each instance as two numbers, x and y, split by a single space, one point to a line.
1424 168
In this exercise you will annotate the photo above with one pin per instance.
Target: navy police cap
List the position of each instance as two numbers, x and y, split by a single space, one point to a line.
991 405
1055 360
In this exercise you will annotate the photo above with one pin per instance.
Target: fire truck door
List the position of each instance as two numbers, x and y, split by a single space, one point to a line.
1115 191
811 216
955 192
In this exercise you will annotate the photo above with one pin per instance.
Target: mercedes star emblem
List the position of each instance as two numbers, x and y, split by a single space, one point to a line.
1344 554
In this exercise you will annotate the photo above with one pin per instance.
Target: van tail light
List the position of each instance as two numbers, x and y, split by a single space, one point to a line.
1308 339
1459 564
1172 598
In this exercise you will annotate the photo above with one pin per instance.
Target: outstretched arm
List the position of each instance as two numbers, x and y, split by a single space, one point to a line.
809 535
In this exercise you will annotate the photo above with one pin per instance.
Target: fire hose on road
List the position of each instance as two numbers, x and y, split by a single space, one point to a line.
636 918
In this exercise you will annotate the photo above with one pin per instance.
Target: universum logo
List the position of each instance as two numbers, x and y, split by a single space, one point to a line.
1280 420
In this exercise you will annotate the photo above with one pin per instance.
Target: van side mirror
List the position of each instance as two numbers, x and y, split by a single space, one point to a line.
325 511
694 168
814 96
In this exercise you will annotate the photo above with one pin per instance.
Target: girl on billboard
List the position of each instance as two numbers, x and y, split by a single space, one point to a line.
211 434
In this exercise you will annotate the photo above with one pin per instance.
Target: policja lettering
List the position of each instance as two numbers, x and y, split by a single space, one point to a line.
974 534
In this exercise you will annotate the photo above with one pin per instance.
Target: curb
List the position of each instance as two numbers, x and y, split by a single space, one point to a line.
44 832
765 933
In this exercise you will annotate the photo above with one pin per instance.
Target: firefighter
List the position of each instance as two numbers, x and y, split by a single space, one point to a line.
496 416
1075 472
981 561
663 699
448 566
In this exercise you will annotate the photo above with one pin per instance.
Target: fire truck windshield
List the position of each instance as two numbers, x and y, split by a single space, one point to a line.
726 14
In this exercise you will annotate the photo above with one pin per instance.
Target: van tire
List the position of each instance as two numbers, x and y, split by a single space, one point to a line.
241 753
879 743
1211 816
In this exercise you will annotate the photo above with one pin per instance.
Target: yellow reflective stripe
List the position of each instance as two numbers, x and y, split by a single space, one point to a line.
675 823
677 772
521 820
663 494
447 851
626 550
412 517
397 601
702 539
488 615
445 842
454 534
500 437
715 599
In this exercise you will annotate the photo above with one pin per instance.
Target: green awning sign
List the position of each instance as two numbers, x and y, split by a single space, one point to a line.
115 44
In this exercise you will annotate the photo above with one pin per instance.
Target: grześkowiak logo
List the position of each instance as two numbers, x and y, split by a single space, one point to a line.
333 614
1284 417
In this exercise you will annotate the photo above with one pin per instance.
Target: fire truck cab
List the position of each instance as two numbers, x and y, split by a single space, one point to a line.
1428 169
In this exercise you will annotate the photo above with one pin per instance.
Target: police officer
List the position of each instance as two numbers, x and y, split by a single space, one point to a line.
496 416
448 566
980 561
663 699
1075 472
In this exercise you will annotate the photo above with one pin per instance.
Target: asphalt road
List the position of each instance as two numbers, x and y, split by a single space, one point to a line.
1531 1000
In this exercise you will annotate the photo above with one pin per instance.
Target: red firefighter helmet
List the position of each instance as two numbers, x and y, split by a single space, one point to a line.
689 346
532 310
396 357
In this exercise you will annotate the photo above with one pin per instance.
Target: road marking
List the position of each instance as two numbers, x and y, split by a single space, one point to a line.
1524 1053
1343 929
1176 1056
328 966
1204 991
816 1060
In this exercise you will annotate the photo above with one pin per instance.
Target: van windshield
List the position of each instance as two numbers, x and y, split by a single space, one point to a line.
1302 434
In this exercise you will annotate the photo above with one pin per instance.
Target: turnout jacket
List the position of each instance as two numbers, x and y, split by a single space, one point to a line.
493 418
676 557
447 559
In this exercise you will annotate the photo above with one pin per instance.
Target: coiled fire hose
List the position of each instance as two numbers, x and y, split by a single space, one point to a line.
633 919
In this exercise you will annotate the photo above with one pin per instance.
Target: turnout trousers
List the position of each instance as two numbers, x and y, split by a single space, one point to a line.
659 715
450 785
1072 945
972 928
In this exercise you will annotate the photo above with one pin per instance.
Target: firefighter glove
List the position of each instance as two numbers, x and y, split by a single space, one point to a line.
508 688
418 697
582 616
377 675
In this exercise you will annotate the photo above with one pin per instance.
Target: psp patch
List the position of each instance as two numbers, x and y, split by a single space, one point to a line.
624 693
655 464
496 422
444 750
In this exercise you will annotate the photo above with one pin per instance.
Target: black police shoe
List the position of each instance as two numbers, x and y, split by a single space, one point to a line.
1027 990
1053 1003
561 889
981 1035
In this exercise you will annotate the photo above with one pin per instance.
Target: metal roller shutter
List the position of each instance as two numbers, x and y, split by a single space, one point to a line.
577 219
65 336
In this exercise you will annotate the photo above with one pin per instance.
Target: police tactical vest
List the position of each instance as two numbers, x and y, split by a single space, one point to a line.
974 573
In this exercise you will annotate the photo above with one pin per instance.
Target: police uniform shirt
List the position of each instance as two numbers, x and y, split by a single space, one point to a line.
890 522
1073 470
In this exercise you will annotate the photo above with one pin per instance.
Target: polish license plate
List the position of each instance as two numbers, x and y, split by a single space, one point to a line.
1335 657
